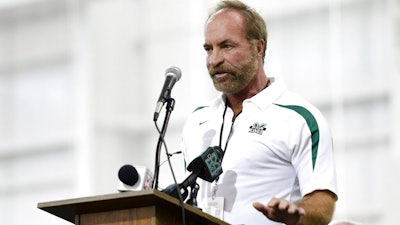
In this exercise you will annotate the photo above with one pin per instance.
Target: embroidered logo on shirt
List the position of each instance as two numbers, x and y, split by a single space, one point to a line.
257 128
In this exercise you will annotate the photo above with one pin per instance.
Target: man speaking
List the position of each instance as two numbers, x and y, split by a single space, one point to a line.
278 163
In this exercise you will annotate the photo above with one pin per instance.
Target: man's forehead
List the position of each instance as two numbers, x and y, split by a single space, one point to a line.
232 14
224 25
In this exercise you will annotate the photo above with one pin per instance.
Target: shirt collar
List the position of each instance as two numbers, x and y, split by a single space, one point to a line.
263 99
268 95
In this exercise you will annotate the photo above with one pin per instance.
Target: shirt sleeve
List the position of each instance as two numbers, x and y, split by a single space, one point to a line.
313 158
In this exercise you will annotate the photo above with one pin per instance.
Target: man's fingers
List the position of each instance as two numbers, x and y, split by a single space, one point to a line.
284 205
264 209
259 206
274 202
279 204
294 209
280 210
302 212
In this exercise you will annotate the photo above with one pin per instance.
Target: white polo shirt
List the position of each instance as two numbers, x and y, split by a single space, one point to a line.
279 146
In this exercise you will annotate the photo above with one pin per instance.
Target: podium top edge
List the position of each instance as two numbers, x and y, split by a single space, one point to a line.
69 208
105 197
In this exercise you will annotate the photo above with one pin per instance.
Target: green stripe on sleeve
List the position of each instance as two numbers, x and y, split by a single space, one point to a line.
312 125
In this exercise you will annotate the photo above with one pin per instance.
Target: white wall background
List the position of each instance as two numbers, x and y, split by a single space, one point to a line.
79 80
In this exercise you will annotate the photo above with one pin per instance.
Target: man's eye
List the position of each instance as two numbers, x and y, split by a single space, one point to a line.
227 46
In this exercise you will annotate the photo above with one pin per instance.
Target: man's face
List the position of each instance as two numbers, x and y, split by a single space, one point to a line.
231 59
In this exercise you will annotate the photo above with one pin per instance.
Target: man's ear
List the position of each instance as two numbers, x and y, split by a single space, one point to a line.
260 47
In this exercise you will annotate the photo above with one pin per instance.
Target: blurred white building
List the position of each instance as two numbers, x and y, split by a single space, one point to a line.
79 80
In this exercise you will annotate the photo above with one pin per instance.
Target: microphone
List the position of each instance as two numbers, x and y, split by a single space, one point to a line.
210 161
207 166
134 179
172 75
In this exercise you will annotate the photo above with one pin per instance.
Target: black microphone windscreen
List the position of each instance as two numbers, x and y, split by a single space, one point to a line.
210 161
128 174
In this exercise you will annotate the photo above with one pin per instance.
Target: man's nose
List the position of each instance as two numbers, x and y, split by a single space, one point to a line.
215 58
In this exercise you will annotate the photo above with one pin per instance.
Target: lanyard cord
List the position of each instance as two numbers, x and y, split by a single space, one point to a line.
231 130
220 140
222 130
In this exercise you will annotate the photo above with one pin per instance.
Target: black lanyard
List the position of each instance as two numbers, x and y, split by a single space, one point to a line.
231 130
222 130
221 134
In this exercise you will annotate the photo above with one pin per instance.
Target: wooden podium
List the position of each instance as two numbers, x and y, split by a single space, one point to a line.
150 207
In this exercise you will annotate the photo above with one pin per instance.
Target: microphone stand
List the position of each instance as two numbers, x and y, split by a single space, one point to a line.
194 189
169 109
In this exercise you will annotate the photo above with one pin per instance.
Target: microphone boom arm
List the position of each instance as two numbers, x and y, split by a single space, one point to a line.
190 181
